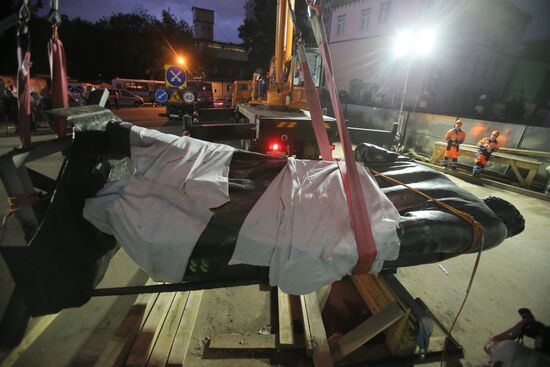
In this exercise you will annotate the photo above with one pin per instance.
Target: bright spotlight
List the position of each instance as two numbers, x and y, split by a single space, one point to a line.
181 61
403 44
425 41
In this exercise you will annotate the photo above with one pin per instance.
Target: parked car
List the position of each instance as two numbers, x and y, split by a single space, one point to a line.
223 102
126 99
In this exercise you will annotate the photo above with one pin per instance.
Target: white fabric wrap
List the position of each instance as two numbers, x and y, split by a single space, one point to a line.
300 227
159 213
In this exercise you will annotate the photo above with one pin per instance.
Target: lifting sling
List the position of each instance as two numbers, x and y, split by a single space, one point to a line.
23 75
58 68
366 248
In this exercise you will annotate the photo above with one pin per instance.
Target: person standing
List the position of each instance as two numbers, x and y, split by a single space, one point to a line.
485 148
454 138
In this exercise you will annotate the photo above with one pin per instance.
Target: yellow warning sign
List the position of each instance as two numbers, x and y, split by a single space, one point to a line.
175 97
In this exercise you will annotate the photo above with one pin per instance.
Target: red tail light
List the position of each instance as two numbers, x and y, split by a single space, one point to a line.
275 147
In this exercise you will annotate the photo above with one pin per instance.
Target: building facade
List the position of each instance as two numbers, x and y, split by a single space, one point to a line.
475 46
221 63
203 24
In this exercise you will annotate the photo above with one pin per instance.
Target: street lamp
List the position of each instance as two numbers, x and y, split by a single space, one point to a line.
411 44
181 60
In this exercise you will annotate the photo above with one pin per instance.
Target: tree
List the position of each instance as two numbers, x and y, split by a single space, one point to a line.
258 33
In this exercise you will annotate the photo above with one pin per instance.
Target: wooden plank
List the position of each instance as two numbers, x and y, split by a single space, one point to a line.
185 330
323 294
286 329
314 331
161 351
115 352
367 330
238 341
517 173
530 177
145 341
377 295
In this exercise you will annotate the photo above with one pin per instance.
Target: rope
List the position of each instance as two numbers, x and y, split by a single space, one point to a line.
16 203
478 232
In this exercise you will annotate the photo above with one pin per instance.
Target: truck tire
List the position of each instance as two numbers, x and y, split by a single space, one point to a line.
14 322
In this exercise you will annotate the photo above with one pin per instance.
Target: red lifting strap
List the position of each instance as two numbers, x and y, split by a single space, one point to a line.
24 76
58 74
366 247
314 107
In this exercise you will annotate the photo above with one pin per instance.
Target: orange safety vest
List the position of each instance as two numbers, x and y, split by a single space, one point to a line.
455 137
487 147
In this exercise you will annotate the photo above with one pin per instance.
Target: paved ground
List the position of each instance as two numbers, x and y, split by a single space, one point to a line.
510 276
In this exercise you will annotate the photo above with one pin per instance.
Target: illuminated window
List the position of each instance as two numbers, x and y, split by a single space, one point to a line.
385 9
340 23
365 19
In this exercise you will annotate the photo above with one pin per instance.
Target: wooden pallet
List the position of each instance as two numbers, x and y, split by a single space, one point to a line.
156 332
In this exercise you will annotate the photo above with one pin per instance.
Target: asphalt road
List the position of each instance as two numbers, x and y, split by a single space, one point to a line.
145 116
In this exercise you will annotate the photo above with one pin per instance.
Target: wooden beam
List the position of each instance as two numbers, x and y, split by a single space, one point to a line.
115 352
367 330
164 342
146 339
286 329
185 330
518 174
314 331
238 341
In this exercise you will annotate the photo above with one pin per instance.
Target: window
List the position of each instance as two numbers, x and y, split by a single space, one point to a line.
365 19
385 9
340 22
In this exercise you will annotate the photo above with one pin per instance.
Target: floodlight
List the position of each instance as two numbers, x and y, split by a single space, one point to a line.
403 44
425 40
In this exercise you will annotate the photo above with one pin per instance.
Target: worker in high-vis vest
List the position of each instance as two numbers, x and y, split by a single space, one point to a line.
485 148
454 138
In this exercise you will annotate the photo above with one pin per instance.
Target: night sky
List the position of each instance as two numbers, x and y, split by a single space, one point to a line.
228 14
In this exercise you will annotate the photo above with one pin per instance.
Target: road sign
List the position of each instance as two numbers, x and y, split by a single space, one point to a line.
161 95
175 76
189 97
175 97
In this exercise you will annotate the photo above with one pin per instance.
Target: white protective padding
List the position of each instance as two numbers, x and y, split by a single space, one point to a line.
159 213
301 229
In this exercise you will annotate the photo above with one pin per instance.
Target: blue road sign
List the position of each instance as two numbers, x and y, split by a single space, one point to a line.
161 95
175 76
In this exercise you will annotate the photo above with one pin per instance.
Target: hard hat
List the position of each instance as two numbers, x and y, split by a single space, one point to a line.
495 133
458 121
